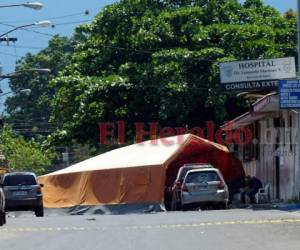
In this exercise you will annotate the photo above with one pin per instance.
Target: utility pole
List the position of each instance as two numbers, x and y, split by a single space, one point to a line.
8 40
298 175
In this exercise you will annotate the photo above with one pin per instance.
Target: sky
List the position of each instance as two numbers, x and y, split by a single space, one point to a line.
282 5
65 15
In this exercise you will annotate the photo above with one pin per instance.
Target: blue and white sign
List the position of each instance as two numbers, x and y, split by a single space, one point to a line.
289 94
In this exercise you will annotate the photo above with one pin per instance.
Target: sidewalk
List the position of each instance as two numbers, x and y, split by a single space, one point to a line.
270 206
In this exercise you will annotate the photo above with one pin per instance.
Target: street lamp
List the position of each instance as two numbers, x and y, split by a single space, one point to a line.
24 91
19 72
16 73
31 5
44 24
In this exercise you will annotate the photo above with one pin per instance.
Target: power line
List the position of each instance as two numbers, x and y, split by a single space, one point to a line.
8 54
23 47
28 30
33 29
75 22
62 24
105 46
140 51
86 12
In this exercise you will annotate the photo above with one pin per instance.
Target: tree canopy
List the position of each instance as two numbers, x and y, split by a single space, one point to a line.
158 61
29 113
21 155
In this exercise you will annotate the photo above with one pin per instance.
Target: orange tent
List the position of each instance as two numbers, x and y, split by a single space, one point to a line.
137 173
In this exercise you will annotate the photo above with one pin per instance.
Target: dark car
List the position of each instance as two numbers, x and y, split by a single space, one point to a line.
2 207
22 192
176 188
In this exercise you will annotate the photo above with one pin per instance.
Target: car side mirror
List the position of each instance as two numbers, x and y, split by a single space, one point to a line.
41 185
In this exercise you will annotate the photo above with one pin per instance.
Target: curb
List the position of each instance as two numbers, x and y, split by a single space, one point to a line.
269 206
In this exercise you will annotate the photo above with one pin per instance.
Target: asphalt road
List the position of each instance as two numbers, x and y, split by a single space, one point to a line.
204 230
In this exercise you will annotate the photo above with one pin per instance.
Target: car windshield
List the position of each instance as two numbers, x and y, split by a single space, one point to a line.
201 177
184 170
15 180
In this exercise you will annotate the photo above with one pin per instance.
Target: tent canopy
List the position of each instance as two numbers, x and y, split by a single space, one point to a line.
134 174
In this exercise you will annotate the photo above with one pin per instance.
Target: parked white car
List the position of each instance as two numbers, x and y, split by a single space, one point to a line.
205 186
176 188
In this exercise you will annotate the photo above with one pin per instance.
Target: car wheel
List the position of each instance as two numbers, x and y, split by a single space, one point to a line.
2 216
178 205
173 204
39 212
184 207
224 205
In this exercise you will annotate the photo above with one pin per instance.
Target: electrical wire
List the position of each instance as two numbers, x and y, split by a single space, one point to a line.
8 54
75 22
86 13
104 46
28 30
108 46
8 24
53 25
23 47
33 29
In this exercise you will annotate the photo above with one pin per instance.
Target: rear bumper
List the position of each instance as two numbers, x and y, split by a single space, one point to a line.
219 196
23 204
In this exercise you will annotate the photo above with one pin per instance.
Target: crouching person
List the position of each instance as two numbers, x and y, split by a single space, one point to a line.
253 184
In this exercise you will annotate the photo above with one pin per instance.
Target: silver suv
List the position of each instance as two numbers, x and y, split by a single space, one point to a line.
2 208
176 188
205 186
22 192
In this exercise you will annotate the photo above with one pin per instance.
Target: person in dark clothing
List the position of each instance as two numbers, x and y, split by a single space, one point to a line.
253 184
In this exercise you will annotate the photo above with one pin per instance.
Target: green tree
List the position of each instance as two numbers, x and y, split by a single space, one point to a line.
21 155
158 61
30 114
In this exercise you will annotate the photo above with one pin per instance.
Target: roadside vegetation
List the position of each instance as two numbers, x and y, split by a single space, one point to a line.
146 61
22 155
